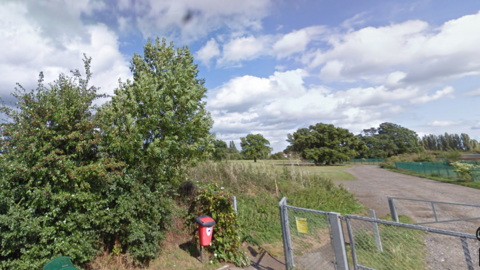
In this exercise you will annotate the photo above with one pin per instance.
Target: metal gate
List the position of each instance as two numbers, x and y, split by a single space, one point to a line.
315 240
308 238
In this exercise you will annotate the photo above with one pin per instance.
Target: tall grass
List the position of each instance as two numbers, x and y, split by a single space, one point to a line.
259 188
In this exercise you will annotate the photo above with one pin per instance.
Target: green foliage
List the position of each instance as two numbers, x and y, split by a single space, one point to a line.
232 148
389 139
325 144
259 188
449 142
424 158
53 178
158 123
278 156
215 202
220 151
465 169
74 182
255 146
449 156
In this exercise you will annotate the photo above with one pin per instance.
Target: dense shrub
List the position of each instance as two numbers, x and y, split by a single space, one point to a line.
53 179
278 156
77 179
216 202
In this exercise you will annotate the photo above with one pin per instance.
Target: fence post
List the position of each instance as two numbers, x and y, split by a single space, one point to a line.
287 240
466 253
235 204
393 210
378 240
338 241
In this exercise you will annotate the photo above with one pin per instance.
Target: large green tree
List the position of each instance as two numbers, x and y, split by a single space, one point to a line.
221 150
255 146
447 142
325 143
389 139
53 177
156 125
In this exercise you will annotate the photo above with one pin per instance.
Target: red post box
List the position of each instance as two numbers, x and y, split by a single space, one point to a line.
205 229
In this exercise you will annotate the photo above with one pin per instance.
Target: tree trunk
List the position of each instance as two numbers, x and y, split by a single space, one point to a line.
255 159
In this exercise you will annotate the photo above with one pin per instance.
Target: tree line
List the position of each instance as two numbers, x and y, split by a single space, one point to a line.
327 144
449 142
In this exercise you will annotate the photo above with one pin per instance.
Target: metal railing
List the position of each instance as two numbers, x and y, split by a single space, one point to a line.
394 214
308 238
408 246
315 240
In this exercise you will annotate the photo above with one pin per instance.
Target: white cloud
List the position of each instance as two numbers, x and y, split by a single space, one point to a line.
281 102
446 92
444 123
205 16
244 48
26 49
296 41
474 93
476 126
207 52
421 53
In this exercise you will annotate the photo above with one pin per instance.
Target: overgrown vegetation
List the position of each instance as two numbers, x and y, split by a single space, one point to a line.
77 180
53 179
259 187
216 202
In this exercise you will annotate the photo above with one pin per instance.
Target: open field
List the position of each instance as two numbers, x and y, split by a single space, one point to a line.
336 172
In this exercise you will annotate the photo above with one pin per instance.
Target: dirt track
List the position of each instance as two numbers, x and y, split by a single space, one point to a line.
374 184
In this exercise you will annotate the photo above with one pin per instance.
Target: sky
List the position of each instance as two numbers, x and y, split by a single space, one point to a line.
271 67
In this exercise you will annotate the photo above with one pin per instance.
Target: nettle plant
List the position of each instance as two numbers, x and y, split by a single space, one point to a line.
52 180
215 202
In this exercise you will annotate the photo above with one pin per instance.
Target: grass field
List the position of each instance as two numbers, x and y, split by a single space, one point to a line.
336 172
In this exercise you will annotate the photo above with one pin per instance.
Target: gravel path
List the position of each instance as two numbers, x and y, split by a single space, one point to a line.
374 184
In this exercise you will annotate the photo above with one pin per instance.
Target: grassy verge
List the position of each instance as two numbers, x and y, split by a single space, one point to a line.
402 248
438 178
259 187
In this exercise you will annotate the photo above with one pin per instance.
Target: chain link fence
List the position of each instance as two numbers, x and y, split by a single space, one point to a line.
408 246
308 239
324 240
444 215
436 169
311 240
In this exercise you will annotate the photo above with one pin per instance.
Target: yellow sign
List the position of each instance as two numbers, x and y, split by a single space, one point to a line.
301 225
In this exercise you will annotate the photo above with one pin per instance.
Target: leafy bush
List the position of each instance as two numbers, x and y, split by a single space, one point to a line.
465 169
77 179
216 203
53 179
278 156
